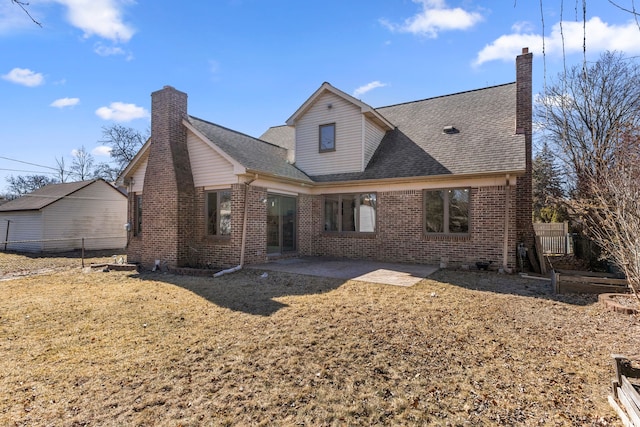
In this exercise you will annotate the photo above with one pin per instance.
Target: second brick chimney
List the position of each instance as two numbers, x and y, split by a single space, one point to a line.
524 125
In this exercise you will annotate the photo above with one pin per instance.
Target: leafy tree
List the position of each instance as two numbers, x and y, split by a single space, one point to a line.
124 143
547 192
25 184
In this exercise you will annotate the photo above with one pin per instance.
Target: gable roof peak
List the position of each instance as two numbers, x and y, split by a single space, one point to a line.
365 109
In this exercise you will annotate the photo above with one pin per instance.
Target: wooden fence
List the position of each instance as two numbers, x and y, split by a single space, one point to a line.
554 237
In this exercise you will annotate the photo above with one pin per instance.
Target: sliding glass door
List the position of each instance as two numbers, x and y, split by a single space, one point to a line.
281 224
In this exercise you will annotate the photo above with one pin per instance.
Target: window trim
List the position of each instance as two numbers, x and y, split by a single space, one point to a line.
446 207
320 128
206 213
137 214
339 221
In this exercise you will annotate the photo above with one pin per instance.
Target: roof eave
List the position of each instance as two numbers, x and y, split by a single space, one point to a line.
133 163
408 179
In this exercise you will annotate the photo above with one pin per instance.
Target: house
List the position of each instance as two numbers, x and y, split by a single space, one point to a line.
57 217
439 180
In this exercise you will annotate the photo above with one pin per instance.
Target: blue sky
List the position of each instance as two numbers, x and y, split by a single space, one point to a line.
249 64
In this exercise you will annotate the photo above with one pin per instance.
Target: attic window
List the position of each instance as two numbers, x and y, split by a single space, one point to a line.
450 130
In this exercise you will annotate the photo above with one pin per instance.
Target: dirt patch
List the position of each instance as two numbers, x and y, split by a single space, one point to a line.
14 265
459 348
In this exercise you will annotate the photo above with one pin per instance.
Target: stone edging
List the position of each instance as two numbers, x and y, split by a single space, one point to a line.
609 302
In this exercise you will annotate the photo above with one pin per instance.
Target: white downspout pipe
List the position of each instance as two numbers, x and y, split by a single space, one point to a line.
244 232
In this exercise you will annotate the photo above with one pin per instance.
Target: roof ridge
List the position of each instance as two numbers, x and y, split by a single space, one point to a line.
447 95
236 131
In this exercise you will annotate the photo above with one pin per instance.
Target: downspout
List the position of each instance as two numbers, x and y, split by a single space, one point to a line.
244 232
507 202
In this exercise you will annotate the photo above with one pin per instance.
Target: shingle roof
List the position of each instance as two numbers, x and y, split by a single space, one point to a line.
485 119
283 136
44 196
252 153
485 141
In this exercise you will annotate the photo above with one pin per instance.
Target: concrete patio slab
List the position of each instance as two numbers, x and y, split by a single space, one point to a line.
340 268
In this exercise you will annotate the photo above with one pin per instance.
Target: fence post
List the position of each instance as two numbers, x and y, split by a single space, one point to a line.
6 238
83 252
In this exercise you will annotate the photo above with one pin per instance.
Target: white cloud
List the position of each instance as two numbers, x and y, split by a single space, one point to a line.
65 102
101 150
366 88
121 112
103 50
102 18
435 17
600 36
24 76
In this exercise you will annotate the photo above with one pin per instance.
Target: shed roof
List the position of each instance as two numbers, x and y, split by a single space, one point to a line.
47 195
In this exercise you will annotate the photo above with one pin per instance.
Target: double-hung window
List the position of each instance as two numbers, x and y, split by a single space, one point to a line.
446 211
327 135
218 210
350 212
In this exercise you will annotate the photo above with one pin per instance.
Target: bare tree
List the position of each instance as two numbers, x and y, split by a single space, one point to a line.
612 212
124 143
25 184
584 113
82 165
23 5
106 171
63 174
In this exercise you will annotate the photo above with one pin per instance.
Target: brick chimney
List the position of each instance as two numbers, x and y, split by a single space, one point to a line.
168 192
524 126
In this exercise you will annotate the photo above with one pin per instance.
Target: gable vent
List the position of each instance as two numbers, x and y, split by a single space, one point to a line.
449 130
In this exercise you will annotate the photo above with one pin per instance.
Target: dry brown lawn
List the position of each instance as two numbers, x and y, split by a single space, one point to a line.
461 348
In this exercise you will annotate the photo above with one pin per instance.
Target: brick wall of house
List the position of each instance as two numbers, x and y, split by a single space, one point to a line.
400 238
224 251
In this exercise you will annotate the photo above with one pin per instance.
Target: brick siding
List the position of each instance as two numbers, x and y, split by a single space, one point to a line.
400 236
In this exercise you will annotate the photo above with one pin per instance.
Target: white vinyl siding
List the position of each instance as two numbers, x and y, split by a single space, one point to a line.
138 176
25 228
347 156
96 212
372 137
207 166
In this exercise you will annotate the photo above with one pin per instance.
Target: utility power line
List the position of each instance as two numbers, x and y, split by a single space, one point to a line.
28 163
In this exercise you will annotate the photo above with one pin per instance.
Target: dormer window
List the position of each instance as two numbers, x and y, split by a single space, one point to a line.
327 137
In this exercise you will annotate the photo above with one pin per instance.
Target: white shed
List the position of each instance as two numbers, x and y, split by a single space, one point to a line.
58 216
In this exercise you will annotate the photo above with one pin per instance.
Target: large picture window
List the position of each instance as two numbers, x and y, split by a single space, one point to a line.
446 211
218 213
350 213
